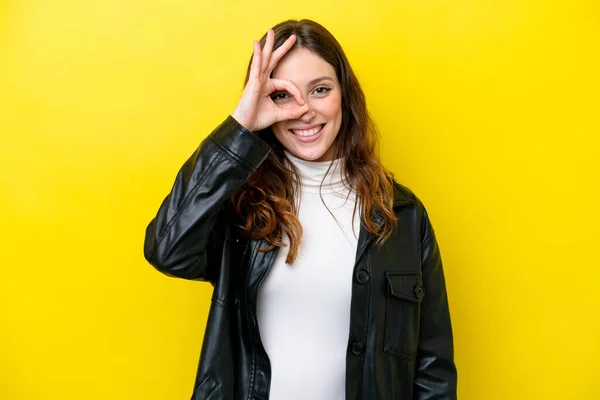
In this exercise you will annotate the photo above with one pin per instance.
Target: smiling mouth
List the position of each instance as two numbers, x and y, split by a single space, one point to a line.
308 132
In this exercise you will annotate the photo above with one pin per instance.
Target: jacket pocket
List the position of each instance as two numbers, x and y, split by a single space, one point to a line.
206 389
402 314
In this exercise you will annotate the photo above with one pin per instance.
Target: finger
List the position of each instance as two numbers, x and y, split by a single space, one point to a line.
268 49
256 61
288 86
290 113
280 52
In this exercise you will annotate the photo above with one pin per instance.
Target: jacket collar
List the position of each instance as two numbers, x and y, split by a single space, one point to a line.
402 197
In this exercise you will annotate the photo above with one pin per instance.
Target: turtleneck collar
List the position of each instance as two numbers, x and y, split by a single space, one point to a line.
317 175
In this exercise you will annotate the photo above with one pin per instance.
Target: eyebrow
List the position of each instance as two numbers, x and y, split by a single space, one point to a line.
319 79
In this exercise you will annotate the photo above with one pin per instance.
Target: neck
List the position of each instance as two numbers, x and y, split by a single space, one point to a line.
319 175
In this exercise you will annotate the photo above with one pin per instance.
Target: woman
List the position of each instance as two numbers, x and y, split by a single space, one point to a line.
328 281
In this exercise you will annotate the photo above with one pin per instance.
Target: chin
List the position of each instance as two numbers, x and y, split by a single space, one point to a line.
307 151
309 154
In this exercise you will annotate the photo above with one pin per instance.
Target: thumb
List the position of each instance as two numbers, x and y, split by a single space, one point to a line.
291 113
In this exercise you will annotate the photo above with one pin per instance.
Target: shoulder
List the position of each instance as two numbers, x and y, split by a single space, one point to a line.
404 195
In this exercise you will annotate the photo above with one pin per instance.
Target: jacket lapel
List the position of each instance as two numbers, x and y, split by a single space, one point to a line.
366 238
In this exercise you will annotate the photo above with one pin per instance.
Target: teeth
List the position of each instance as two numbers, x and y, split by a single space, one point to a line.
308 132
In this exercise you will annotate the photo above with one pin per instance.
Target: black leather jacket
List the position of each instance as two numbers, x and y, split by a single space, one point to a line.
400 338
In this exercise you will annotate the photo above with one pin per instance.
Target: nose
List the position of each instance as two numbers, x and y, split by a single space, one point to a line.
309 114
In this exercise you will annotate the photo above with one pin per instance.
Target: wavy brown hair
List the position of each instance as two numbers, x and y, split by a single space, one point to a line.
266 202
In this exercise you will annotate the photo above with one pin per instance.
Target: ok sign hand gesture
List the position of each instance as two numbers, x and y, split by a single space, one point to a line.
256 110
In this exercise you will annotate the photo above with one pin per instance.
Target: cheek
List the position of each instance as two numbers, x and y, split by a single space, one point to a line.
333 108
278 129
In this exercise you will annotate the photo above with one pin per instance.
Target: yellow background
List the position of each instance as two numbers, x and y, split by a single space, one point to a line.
488 110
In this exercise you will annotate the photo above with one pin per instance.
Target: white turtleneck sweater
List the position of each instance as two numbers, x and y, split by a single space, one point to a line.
303 309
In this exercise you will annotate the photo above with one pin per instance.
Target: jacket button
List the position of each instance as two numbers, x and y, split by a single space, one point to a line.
362 276
357 348
419 291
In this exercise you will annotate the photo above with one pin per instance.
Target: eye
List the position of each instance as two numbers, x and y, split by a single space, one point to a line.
279 96
322 90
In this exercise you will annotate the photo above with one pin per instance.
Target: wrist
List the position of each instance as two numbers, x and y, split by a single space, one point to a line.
241 120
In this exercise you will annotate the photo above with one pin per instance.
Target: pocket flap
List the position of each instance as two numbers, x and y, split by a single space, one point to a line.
206 388
406 285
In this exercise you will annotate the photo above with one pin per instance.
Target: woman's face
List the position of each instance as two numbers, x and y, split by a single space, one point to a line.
311 136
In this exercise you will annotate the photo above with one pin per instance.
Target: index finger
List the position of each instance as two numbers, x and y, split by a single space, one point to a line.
281 84
280 52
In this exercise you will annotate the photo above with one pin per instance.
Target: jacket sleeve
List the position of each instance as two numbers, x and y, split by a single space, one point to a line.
178 239
436 374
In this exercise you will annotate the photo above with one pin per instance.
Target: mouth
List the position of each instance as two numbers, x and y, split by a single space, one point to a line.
308 132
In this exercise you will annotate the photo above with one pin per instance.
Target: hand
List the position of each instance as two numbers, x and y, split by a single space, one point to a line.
256 110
